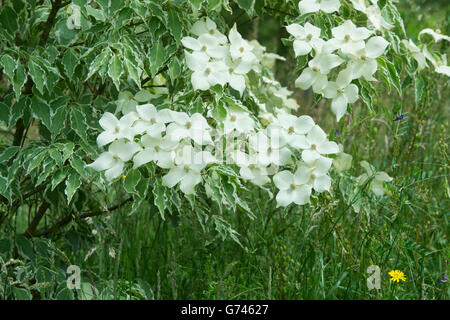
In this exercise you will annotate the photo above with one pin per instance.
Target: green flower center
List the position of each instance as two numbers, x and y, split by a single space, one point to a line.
292 186
233 117
188 125
117 129
347 37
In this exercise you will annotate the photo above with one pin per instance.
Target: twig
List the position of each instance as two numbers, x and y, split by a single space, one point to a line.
279 11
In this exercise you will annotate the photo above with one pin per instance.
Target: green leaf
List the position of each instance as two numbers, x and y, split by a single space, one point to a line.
22 294
37 74
157 11
419 86
157 57
41 111
70 62
175 25
25 248
115 70
131 180
73 182
99 61
174 69
159 197
9 66
247 5
79 124
20 77
133 71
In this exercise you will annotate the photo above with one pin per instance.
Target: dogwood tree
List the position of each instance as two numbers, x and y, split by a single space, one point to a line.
167 104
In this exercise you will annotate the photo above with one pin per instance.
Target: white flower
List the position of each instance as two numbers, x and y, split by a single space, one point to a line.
116 129
250 169
125 102
315 174
206 73
208 26
263 57
74 19
305 37
186 171
373 13
114 159
439 63
207 44
235 71
292 189
416 53
328 6
194 127
159 150
342 92
239 47
316 74
292 129
348 37
237 120
268 151
378 178
343 161
151 120
318 145
437 36
364 63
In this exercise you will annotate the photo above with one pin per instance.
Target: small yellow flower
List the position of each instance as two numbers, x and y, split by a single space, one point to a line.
123 177
397 275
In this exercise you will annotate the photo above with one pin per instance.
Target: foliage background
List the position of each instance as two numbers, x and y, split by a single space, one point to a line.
281 254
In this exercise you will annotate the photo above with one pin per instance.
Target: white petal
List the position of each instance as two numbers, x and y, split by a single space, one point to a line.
328 147
143 157
189 182
103 162
306 79
106 137
114 171
108 121
322 166
351 93
307 6
299 142
200 81
146 111
191 43
322 183
330 6
302 194
196 61
339 106
316 135
320 83
173 177
125 151
237 82
309 156
301 47
296 30
283 180
285 197
376 46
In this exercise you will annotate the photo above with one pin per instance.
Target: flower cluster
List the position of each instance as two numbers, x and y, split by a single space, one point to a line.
354 43
216 59
164 137
373 13
422 54
74 17
178 142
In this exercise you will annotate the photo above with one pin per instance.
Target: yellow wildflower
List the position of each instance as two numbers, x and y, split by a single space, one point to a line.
397 275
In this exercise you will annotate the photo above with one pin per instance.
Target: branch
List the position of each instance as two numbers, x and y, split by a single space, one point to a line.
279 11
31 230
62 222
56 5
